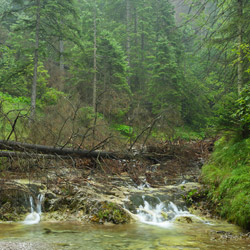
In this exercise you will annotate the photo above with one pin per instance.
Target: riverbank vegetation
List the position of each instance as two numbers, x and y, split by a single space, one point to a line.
126 75
228 178
227 173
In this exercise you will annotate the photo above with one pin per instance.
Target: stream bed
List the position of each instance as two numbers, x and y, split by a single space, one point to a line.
132 236
158 224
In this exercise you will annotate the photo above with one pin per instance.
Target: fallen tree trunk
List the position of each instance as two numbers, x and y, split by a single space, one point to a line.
26 155
49 150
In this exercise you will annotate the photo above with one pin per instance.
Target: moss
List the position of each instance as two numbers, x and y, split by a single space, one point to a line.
228 178
195 195
110 212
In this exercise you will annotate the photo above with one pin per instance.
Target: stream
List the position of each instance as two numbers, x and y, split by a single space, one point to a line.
154 202
157 228
133 236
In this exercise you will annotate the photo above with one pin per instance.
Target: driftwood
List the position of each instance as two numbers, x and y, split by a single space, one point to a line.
54 151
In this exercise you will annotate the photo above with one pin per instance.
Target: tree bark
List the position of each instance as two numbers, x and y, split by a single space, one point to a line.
61 51
128 36
95 64
36 55
240 56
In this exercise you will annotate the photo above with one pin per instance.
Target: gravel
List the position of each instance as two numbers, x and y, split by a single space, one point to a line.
5 245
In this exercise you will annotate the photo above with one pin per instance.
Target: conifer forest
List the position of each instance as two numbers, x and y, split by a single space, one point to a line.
107 107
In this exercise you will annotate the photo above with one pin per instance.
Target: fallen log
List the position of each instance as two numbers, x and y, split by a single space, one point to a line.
26 155
41 151
49 150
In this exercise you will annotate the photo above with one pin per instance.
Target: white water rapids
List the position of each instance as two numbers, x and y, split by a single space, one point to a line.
161 215
35 211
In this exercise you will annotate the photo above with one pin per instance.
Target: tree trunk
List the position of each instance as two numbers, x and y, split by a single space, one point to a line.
61 50
30 149
28 155
142 41
49 152
128 35
95 64
136 26
36 54
240 55
95 77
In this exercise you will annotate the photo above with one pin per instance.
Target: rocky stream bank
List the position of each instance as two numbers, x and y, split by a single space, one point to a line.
111 191
97 192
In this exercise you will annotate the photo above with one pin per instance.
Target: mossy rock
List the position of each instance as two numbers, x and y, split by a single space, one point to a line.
110 212
188 219
9 213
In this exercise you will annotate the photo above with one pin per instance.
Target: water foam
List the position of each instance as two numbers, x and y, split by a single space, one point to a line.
161 215
35 212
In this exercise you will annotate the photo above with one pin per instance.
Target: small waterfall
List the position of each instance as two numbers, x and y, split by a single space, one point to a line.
161 215
35 212
39 203
31 205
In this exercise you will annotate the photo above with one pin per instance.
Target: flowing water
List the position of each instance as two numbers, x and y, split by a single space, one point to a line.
35 211
163 215
133 236
157 228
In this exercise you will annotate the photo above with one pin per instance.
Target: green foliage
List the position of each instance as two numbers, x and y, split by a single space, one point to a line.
11 108
16 102
195 195
125 130
87 116
189 197
242 114
228 178
16 76
224 111
51 96
246 50
187 133
234 114
140 54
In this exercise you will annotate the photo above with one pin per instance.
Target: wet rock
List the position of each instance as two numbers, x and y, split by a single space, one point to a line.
109 212
50 195
184 219
224 235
